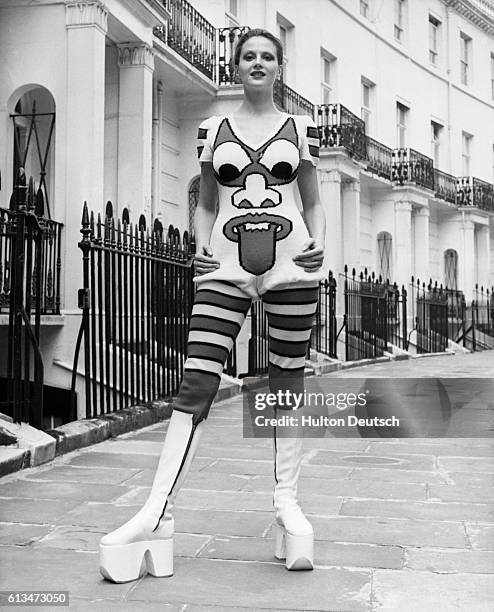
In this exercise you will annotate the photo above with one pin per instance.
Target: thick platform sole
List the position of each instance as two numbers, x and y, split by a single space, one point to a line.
129 562
297 551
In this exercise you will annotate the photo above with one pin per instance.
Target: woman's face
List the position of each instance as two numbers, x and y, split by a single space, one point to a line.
258 65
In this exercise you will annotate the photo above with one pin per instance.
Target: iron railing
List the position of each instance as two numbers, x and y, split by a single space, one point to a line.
410 166
259 341
479 321
190 35
30 286
227 41
430 315
338 127
379 158
291 101
471 191
324 333
444 186
136 303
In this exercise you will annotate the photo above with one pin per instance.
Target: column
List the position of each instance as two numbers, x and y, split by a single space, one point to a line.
135 120
351 224
483 256
467 263
402 243
86 24
157 119
330 190
421 268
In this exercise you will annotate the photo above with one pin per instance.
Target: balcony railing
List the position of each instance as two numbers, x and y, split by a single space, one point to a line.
338 127
291 101
444 186
471 191
379 158
410 166
190 35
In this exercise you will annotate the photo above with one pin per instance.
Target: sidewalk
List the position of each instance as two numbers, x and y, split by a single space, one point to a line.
400 524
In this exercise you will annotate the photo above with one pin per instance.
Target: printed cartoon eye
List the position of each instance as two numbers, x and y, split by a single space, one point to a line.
281 158
229 161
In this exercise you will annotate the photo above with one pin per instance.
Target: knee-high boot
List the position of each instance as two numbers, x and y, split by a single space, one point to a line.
145 542
293 532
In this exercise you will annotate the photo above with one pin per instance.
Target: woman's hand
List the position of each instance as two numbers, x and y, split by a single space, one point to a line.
312 256
203 260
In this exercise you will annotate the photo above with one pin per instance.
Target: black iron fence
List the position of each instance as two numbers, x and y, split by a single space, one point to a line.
444 186
471 191
379 158
324 334
410 166
136 303
30 266
430 316
479 321
375 316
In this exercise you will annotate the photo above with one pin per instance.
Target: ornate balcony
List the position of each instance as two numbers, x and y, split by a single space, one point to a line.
410 166
379 158
471 191
445 186
338 127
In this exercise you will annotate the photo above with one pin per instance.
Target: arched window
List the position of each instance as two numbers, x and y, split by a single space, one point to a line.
384 256
451 269
34 125
193 199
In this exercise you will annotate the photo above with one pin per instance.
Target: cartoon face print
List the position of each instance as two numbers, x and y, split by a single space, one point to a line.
255 173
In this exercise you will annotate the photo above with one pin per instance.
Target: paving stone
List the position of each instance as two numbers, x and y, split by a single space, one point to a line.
390 531
105 604
364 489
100 516
72 473
446 449
451 561
336 444
21 535
320 504
467 464
205 582
451 511
325 553
56 569
225 500
69 537
481 536
197 480
121 460
467 478
235 452
233 466
392 475
62 490
38 511
398 462
409 591
328 472
475 494
220 522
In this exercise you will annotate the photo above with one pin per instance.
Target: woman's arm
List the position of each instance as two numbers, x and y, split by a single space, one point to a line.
313 251
204 218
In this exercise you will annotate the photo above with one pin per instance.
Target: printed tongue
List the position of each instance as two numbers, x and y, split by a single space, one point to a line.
257 248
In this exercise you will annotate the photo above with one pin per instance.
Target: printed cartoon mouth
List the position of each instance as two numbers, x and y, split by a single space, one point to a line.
278 226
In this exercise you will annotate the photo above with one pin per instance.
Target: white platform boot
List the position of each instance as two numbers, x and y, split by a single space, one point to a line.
293 532
145 542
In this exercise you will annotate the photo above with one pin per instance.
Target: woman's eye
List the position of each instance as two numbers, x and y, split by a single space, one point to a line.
229 161
281 158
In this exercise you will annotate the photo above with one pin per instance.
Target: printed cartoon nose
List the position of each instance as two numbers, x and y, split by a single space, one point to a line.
256 193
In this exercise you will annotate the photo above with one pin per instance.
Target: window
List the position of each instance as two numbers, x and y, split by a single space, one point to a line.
384 255
231 10
367 92
327 69
465 153
465 44
364 8
451 269
399 20
434 25
401 124
436 133
283 36
492 76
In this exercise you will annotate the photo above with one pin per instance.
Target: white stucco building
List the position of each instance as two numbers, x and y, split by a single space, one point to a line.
126 84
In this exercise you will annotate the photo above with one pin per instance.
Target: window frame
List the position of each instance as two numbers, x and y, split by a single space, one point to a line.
434 39
401 128
465 58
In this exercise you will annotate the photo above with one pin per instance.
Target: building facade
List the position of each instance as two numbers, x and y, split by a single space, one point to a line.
100 101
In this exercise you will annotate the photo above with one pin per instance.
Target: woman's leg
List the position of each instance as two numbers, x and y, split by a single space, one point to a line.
290 316
145 542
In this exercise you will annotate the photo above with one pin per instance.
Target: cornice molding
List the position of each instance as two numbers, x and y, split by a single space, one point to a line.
131 55
479 12
86 14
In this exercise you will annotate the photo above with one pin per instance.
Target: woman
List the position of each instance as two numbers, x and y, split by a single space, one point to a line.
256 246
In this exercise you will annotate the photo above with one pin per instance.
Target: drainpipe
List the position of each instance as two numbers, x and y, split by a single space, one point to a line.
155 188
448 73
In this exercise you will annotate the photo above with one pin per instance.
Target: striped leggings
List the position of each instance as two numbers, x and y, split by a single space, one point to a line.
218 313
